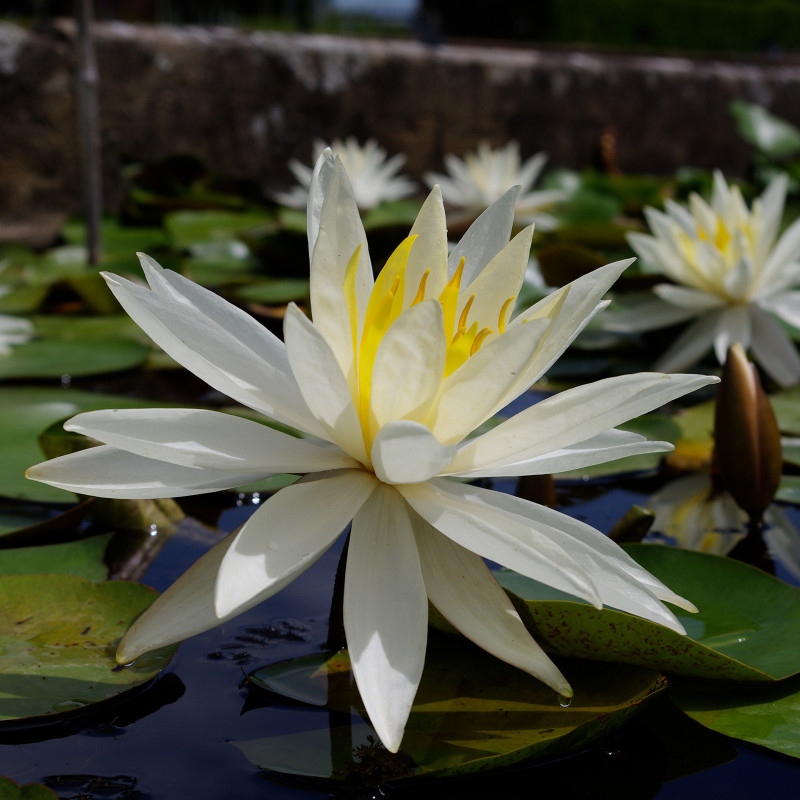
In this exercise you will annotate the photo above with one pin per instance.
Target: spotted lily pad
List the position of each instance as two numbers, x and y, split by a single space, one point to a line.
58 636
768 716
472 713
747 628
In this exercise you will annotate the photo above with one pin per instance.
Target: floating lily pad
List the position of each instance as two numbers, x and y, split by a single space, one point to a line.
275 292
767 133
768 716
79 357
83 557
187 228
694 445
747 629
789 489
29 791
397 213
786 406
58 635
472 713
25 524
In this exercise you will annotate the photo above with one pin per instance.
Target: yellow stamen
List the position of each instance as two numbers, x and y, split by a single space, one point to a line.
479 339
458 349
449 300
501 320
462 320
420 296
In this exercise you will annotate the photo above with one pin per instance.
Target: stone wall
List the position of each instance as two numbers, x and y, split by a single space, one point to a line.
245 103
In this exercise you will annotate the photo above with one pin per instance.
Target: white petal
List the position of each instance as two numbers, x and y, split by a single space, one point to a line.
409 364
738 280
619 580
733 325
385 613
465 592
318 186
694 300
450 508
186 608
481 386
608 446
571 417
323 386
207 439
430 249
691 345
773 349
105 471
485 238
216 341
786 306
649 313
407 452
286 536
786 250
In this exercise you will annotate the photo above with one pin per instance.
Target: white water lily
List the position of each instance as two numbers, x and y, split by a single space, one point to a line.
13 330
482 177
388 381
730 273
373 177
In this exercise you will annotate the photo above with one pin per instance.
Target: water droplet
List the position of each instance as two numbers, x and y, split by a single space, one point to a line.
274 546
66 380
154 529
256 499
69 705
564 702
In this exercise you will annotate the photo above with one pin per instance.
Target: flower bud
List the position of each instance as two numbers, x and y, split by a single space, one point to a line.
746 436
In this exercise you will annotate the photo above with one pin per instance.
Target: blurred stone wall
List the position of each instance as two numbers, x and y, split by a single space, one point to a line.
245 103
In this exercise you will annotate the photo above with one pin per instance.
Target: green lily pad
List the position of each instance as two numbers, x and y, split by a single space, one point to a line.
187 228
28 791
789 489
274 292
95 328
23 300
786 405
24 413
771 135
51 358
83 557
25 524
768 716
472 713
747 628
694 445
58 635
117 239
398 213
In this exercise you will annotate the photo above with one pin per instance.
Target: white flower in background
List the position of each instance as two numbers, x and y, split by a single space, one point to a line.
374 178
730 272
13 330
689 512
482 177
388 381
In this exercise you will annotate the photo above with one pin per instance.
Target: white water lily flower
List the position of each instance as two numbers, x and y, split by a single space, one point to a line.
13 330
729 273
374 178
388 381
689 512
482 177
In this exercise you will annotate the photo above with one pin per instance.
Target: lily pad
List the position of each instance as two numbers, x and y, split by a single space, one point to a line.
275 292
789 489
29 791
83 557
747 629
187 228
79 357
472 713
768 716
767 133
694 445
786 406
58 634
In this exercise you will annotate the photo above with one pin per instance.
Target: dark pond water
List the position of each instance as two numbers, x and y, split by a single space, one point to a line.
174 739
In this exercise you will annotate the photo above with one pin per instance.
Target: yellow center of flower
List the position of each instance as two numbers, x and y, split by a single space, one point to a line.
386 302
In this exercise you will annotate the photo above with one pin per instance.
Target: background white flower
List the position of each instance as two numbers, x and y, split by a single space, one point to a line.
482 177
388 381
374 178
729 273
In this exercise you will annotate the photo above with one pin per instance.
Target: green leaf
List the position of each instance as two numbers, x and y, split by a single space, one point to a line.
398 213
789 489
768 715
52 358
472 713
23 300
118 240
771 135
188 228
786 405
694 445
747 627
28 791
58 634
83 557
274 292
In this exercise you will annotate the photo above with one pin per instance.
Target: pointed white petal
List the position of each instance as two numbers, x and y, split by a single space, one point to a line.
480 386
786 306
409 364
323 386
216 341
206 439
485 238
450 508
733 325
385 613
691 345
287 535
571 417
619 580
694 300
407 452
645 314
105 471
773 349
430 249
318 186
465 592
786 250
